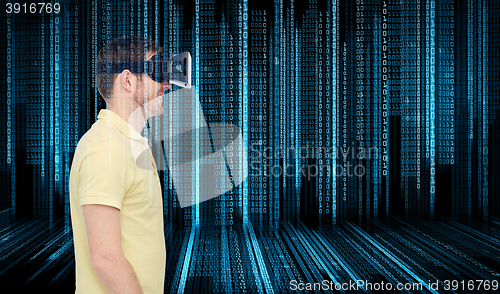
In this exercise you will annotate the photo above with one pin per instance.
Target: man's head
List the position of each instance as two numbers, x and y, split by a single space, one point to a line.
137 90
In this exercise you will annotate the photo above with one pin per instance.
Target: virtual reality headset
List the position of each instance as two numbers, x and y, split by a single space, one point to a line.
175 69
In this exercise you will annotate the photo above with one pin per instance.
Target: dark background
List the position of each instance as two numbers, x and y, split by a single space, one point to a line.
317 85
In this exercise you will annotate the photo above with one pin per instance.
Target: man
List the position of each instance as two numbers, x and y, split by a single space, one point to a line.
116 206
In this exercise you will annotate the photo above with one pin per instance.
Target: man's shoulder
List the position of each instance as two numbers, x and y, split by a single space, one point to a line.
100 135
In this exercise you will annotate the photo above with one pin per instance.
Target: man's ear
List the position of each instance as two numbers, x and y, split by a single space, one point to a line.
127 80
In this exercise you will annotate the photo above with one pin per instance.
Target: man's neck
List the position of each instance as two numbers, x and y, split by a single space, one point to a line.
134 117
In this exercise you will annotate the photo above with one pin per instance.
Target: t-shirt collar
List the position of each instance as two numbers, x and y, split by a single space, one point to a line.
122 125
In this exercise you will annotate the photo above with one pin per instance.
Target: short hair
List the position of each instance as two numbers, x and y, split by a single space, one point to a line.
123 49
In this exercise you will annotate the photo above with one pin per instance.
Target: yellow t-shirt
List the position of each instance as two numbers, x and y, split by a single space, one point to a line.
104 171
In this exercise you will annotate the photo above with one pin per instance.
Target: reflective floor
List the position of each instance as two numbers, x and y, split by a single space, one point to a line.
255 260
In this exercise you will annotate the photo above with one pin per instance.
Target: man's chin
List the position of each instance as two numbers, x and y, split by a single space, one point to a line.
154 108
157 111
161 111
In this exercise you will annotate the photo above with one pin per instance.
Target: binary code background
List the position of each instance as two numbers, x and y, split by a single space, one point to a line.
414 82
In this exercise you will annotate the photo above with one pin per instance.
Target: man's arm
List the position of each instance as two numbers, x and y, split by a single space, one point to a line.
102 224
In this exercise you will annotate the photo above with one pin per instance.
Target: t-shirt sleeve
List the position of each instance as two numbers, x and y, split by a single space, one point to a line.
103 174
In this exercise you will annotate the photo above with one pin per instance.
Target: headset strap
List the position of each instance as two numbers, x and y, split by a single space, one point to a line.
134 66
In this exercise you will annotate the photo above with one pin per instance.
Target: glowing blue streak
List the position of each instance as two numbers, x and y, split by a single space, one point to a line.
244 108
260 261
187 259
432 108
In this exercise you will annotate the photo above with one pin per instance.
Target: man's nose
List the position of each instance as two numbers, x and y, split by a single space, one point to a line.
165 85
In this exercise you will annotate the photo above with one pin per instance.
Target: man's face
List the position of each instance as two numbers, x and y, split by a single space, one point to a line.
150 93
